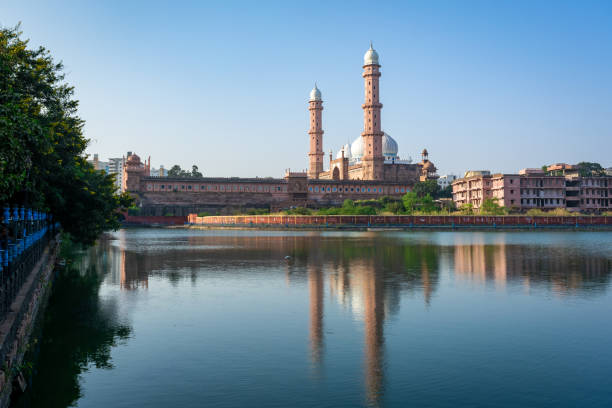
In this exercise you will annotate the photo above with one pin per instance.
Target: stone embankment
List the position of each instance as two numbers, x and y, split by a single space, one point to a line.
403 221
18 321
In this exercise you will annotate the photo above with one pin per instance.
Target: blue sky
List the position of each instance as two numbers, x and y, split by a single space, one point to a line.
481 84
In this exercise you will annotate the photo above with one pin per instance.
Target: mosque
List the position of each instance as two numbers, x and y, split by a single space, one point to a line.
374 154
367 168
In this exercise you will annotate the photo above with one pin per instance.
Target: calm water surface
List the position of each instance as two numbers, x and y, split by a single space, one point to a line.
177 318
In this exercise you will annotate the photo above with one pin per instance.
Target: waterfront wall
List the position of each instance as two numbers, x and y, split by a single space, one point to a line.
154 220
19 319
399 220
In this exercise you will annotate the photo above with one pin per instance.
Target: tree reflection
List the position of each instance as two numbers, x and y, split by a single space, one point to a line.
79 330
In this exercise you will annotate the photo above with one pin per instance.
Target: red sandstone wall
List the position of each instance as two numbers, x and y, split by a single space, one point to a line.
405 220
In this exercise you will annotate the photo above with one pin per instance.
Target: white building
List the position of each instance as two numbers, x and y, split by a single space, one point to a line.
161 172
115 166
446 180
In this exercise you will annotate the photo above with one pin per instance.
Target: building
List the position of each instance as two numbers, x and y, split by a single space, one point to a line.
161 172
112 166
446 180
99 165
374 154
116 165
370 167
559 186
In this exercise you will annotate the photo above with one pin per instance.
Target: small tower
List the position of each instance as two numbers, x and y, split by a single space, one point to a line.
315 156
373 160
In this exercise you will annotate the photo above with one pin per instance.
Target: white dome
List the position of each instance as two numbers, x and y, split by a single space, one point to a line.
315 94
347 152
389 147
370 57
357 148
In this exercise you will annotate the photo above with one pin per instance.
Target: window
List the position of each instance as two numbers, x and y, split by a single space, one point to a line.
183 187
334 189
162 186
309 188
317 189
189 187
402 190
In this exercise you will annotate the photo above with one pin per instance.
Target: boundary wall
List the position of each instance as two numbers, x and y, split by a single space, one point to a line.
400 220
19 322
154 220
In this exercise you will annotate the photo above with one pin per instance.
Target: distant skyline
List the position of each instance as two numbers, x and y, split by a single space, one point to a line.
224 85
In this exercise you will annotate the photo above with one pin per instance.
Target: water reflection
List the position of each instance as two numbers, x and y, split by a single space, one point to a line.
562 270
363 275
366 274
78 332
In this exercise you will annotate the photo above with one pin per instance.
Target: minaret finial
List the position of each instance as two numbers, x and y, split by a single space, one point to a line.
371 47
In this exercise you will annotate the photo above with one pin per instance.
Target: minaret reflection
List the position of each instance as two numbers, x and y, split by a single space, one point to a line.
315 285
373 318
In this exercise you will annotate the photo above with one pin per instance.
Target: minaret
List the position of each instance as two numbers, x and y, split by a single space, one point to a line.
315 157
373 159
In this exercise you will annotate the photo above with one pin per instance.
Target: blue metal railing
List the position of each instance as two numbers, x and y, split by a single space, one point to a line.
24 235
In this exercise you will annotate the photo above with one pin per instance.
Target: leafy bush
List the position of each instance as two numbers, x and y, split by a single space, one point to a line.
298 211
134 210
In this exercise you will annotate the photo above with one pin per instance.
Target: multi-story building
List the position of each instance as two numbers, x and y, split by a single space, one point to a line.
161 172
473 188
559 186
540 190
446 180
112 166
116 165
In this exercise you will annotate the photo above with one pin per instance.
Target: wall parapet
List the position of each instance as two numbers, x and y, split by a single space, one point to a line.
400 220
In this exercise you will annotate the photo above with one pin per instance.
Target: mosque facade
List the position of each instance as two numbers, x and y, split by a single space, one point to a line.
369 167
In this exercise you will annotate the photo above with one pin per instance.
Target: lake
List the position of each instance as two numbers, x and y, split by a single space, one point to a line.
229 318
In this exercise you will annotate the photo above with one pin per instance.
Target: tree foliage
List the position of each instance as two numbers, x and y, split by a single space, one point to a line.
587 169
424 188
176 171
490 206
42 147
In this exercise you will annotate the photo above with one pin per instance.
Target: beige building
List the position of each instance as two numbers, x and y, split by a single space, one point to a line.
559 186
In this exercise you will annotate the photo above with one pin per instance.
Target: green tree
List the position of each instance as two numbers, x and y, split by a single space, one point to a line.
42 147
175 171
427 204
586 169
467 209
446 192
490 206
194 172
411 202
423 188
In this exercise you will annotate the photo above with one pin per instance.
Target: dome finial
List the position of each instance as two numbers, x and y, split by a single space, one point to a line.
371 56
315 94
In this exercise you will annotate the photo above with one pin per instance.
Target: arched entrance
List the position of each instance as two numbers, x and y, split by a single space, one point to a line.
336 174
